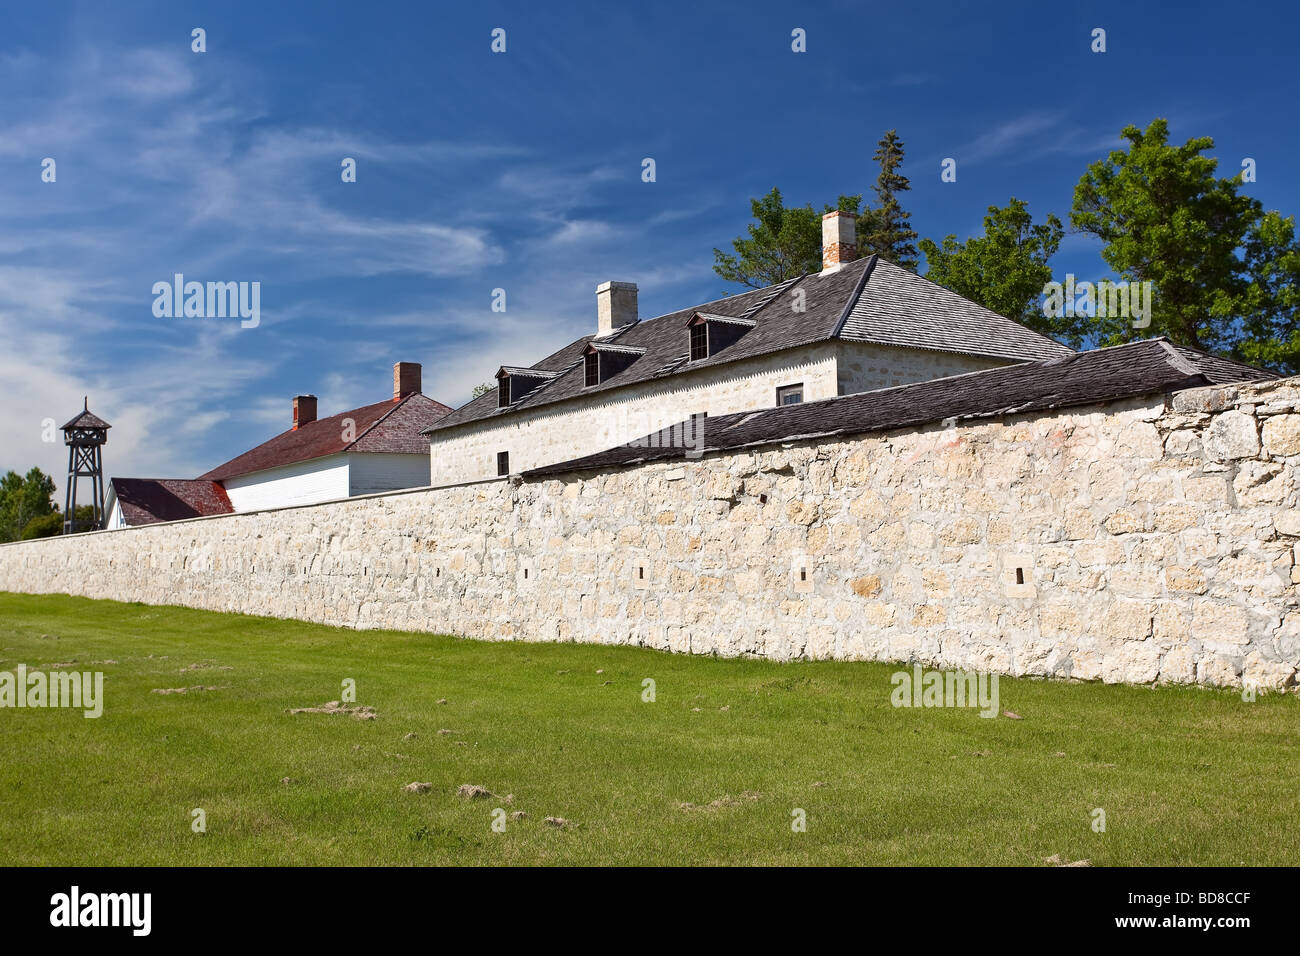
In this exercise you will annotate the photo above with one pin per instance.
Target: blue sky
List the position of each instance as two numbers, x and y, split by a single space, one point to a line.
519 170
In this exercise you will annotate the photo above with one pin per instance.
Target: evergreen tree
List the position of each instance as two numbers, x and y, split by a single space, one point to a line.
885 229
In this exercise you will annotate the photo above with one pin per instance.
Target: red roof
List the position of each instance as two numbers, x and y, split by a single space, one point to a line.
149 500
391 427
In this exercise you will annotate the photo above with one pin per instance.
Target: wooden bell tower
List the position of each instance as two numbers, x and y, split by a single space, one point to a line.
85 436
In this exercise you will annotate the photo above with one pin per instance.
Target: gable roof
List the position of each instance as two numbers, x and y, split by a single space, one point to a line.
150 500
870 300
392 427
1079 378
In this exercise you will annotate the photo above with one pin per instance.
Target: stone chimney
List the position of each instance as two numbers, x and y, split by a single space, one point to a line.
304 410
615 306
839 240
406 379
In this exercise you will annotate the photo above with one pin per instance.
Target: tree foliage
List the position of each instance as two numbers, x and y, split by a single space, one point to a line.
886 229
46 526
23 498
1224 272
784 242
1006 268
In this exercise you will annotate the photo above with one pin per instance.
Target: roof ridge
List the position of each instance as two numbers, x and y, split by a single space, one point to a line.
373 425
861 284
1178 360
773 291
206 481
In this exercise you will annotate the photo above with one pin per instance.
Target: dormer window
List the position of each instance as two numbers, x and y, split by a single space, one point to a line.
513 383
710 333
603 360
699 341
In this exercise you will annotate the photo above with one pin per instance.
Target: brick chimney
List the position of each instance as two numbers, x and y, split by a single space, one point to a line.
304 410
839 240
406 379
615 306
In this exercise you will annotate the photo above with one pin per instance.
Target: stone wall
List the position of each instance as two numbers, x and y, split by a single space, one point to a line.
862 367
1140 541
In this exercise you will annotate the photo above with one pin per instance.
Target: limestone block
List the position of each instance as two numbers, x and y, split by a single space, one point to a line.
1281 434
1260 483
1122 522
1190 579
1231 435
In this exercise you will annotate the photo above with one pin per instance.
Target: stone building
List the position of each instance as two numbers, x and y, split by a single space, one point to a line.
857 325
361 451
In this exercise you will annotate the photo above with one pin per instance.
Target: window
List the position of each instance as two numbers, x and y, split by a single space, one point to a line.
699 341
593 369
503 392
503 463
789 394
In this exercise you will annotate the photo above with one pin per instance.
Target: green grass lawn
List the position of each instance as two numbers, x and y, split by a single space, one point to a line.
1185 776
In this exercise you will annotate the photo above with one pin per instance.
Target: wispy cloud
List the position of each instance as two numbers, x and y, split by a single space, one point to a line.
1035 135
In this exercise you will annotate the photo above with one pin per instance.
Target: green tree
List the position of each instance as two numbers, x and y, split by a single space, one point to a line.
46 526
885 229
1006 268
22 499
1224 272
482 389
1272 324
783 243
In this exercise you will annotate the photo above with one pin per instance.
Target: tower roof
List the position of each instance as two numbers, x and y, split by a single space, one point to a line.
86 418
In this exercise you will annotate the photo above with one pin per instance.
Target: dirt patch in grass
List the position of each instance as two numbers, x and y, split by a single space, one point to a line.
183 690
724 802
357 711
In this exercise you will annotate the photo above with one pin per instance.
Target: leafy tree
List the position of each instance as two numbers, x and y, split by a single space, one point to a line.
46 526
1006 268
84 518
1272 324
482 389
783 243
22 499
886 229
1224 272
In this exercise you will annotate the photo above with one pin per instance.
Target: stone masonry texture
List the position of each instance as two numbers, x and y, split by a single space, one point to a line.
1150 540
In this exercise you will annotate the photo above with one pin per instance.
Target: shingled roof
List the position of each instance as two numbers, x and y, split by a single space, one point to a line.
150 500
86 419
1081 378
386 427
872 301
